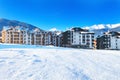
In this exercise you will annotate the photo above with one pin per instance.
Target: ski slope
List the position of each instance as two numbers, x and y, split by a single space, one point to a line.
25 62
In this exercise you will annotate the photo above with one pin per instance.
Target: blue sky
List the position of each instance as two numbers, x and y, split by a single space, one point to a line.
61 14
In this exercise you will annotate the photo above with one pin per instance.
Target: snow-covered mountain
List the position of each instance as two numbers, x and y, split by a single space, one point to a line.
101 28
6 22
30 62
99 31
115 29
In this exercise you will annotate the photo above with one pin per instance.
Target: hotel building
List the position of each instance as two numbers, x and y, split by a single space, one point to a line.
109 40
18 35
15 35
78 38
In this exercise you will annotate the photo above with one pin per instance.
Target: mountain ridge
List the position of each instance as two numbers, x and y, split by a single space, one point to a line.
7 22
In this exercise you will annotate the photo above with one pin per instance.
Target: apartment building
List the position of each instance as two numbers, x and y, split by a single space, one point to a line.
15 35
59 39
52 38
66 42
48 38
103 42
77 37
18 35
37 37
115 42
109 40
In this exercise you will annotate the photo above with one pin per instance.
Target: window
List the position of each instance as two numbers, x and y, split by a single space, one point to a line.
83 40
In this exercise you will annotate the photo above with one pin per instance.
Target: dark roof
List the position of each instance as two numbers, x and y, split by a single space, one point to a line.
79 29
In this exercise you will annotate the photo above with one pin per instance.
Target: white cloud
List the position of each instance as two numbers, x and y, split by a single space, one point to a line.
53 29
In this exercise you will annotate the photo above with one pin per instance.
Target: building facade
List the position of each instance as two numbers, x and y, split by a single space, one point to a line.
78 38
18 35
37 37
109 40
14 35
66 41
103 42
75 37
52 38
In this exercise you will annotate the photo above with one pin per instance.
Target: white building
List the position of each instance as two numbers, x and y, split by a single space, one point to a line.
83 39
115 42
77 37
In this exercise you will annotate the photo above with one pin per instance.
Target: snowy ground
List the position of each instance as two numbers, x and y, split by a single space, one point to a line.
19 62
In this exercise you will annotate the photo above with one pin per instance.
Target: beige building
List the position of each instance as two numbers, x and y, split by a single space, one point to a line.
4 33
14 35
18 35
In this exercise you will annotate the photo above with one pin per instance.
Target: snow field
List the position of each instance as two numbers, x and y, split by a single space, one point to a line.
52 63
